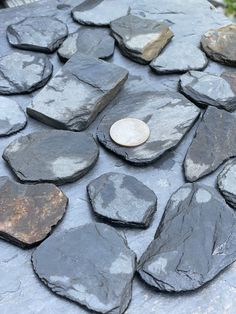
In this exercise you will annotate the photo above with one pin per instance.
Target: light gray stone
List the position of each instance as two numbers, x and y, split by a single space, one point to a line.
227 182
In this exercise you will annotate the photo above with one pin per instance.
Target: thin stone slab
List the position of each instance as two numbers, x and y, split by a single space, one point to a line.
91 265
168 115
12 117
194 242
122 199
100 12
179 58
209 89
214 143
32 72
51 156
39 33
227 182
29 212
77 93
94 42
140 39
219 44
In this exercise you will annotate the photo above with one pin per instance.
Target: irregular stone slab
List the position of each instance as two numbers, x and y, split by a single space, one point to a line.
94 42
122 199
227 182
219 44
12 117
41 33
194 242
32 72
140 39
210 89
178 58
28 212
91 265
77 93
51 156
100 12
214 143
168 115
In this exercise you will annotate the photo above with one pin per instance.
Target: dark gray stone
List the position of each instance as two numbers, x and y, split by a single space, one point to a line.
94 42
41 33
122 199
91 265
23 72
12 117
194 242
51 156
227 182
209 89
169 116
140 39
77 93
100 12
214 143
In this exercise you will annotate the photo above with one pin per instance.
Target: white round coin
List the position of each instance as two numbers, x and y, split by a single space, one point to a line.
129 132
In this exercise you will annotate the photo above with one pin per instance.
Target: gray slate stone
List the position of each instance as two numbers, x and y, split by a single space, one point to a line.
41 33
214 143
227 182
178 58
122 199
77 93
140 39
194 242
168 114
210 89
94 42
91 265
12 117
51 156
100 12
32 72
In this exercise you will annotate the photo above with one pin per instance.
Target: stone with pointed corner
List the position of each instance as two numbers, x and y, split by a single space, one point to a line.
227 182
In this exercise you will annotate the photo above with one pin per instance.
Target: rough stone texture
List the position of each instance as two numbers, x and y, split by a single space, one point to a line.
122 199
169 116
227 182
39 33
32 72
77 93
100 12
219 44
179 58
51 156
214 143
94 42
194 242
28 212
91 265
140 39
12 117
209 89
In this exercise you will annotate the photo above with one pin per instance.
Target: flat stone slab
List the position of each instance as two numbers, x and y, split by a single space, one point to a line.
12 117
122 199
100 12
179 57
29 212
227 182
214 143
41 33
140 39
194 242
91 265
209 89
77 93
51 156
32 72
168 114
219 44
94 42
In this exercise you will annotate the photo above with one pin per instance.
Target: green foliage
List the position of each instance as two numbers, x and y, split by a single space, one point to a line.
231 7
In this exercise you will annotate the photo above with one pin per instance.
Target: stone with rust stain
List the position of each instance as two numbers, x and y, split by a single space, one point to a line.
28 212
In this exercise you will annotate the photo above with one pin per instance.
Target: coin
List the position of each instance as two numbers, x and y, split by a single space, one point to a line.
129 132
